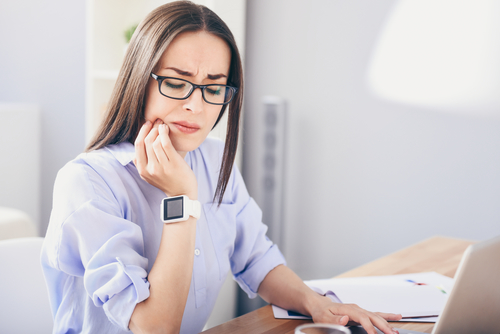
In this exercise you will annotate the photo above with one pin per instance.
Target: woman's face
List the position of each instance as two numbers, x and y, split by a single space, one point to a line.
200 58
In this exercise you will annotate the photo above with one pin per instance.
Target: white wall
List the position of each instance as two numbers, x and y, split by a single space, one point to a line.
20 152
365 176
42 61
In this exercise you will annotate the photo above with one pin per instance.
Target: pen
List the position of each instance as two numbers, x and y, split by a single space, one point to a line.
411 281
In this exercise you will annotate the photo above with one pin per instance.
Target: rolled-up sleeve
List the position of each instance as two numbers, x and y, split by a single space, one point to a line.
95 242
254 254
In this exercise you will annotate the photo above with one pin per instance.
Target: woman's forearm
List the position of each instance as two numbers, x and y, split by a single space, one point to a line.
169 280
282 287
159 164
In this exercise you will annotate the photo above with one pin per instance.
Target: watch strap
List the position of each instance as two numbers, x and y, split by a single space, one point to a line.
193 207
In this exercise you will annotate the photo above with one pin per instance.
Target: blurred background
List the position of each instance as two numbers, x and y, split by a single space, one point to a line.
368 126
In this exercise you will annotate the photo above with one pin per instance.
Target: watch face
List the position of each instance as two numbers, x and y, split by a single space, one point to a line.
173 207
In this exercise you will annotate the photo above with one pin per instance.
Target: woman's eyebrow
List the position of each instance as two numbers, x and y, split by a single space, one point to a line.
189 74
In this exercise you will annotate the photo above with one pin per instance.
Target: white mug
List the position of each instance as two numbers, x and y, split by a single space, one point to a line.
321 329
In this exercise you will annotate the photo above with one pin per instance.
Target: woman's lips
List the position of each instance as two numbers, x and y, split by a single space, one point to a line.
186 127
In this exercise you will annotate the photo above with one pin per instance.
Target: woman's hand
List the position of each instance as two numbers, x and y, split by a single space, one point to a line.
327 311
160 165
282 287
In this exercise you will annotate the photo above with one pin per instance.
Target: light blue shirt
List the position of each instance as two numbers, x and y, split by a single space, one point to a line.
105 230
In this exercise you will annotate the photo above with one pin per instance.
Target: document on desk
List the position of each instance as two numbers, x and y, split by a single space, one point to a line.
419 296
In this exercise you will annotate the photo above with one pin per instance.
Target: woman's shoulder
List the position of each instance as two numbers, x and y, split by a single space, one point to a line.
95 167
94 176
104 159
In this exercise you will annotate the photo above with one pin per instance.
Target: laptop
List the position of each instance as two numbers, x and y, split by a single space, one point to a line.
474 302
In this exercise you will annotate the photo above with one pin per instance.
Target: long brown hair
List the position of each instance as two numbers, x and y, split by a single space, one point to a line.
125 112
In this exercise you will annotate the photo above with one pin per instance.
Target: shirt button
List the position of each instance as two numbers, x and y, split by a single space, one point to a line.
196 252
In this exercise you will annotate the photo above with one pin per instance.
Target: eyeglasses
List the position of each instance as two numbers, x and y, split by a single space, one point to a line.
180 89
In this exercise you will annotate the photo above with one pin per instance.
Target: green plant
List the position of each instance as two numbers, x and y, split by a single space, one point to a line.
129 32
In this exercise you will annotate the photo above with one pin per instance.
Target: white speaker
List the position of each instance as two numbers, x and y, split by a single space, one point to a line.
273 166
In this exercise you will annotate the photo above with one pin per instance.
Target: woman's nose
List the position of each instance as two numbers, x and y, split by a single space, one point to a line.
195 102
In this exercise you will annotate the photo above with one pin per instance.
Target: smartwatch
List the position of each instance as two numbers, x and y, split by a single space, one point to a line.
179 208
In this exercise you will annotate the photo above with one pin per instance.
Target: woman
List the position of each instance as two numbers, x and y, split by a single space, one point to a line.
111 260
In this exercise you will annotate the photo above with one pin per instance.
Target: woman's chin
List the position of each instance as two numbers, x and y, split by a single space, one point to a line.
183 147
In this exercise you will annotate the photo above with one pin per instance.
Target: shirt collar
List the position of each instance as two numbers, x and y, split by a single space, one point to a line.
123 152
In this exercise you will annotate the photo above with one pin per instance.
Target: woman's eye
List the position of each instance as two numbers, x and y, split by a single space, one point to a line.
172 85
214 90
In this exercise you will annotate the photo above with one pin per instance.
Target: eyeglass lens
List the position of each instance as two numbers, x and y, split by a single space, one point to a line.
180 89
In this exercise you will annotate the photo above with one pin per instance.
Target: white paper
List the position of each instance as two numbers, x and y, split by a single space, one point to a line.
411 295
409 301
280 313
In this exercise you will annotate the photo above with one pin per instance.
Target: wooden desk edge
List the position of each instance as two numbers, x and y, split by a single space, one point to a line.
362 270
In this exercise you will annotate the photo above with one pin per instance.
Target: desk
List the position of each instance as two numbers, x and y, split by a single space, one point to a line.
438 254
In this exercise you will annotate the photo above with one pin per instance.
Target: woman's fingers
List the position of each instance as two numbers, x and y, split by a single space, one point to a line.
340 319
166 142
364 321
390 316
369 320
163 148
149 141
141 159
328 316
159 164
382 324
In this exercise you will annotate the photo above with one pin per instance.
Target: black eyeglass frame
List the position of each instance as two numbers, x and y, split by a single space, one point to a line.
193 87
